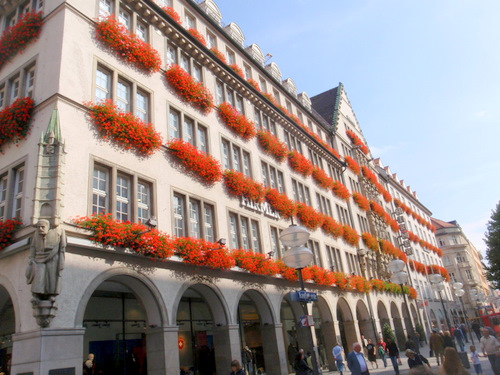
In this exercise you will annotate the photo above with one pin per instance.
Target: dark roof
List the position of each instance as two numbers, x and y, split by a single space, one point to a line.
324 104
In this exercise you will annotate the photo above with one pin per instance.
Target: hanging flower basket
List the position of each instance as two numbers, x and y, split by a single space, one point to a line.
300 164
242 186
17 37
237 122
128 46
189 89
15 121
280 202
124 128
8 229
272 145
198 36
201 163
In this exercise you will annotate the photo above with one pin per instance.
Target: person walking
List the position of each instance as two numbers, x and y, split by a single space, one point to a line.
301 367
393 352
459 337
339 358
452 364
436 344
491 348
236 368
372 354
356 361
474 356
416 360
381 348
448 340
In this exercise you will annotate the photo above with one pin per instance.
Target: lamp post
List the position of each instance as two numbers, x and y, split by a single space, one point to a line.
459 292
437 285
400 277
298 257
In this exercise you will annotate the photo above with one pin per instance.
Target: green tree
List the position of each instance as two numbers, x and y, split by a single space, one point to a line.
388 333
492 240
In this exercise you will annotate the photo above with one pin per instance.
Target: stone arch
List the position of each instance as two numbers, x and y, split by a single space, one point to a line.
365 321
383 315
325 332
398 325
144 290
348 334
7 291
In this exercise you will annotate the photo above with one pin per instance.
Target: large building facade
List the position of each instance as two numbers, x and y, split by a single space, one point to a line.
131 307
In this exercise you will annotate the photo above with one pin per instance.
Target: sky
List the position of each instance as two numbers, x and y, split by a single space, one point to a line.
423 78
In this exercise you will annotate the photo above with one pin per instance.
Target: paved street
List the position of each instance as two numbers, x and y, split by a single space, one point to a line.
404 369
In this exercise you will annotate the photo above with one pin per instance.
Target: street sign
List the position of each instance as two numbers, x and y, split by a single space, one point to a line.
307 321
303 296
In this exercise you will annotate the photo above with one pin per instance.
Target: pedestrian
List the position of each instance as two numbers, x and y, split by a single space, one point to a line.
356 361
463 328
339 358
436 344
89 365
417 360
301 367
491 347
291 353
236 368
452 364
477 329
381 347
393 351
474 356
459 337
372 354
448 340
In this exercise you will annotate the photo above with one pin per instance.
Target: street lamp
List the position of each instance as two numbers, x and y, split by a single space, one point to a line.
400 277
437 285
298 257
459 292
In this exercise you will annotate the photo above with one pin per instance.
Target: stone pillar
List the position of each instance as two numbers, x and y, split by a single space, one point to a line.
274 349
328 331
352 334
227 346
163 350
47 349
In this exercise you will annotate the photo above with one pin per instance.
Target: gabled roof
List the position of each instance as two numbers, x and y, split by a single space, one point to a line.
325 104
443 224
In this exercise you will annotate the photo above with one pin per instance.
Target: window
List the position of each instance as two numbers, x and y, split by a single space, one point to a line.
125 18
2 96
276 95
343 215
334 259
171 54
335 173
244 232
231 57
454 240
141 30
225 93
324 205
106 8
276 246
29 82
14 86
363 223
185 62
197 221
191 131
189 21
18 192
468 273
129 97
211 40
289 106
126 196
354 185
301 192
3 197
272 177
264 122
293 142
12 192
263 84
314 246
316 159
248 71
233 157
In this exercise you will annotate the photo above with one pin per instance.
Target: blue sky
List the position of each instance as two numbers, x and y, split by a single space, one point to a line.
422 76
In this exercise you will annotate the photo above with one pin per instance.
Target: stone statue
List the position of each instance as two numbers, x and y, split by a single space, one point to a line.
44 269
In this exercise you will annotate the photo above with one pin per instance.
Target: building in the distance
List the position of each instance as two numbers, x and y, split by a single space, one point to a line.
464 264
233 156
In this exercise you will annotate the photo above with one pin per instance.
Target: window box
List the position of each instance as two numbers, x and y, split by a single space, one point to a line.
7 230
236 121
300 164
15 121
242 186
272 145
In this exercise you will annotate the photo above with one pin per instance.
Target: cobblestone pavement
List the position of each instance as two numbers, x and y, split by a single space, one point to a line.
404 369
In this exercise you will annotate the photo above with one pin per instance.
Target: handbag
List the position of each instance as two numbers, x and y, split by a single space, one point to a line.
399 361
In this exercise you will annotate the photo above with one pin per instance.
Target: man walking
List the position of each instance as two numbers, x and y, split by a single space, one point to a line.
356 361
436 344
337 353
491 347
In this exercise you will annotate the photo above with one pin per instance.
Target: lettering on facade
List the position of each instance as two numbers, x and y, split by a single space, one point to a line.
264 208
63 371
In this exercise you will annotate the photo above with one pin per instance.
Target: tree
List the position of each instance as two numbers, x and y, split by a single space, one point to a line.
388 333
492 241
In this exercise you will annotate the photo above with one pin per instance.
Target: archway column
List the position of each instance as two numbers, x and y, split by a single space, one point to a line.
226 345
274 349
47 349
352 334
163 350
329 330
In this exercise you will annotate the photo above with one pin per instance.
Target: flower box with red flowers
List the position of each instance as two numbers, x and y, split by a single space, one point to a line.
300 164
318 275
238 70
352 164
128 46
189 89
124 128
350 235
280 202
173 14
332 227
15 121
200 252
254 83
370 241
272 145
201 163
237 122
17 37
358 142
361 201
219 54
309 217
322 179
340 190
7 230
256 263
242 186
198 36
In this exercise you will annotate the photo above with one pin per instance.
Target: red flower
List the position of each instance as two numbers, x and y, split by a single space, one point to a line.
15 121
352 164
253 82
238 70
286 272
322 179
300 164
190 90
199 252
172 13
198 36
371 241
332 227
361 201
318 275
124 128
201 163
8 228
311 218
236 121
127 45
281 203
271 98
255 262
17 37
340 190
350 235
272 145
242 186
219 54
358 142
